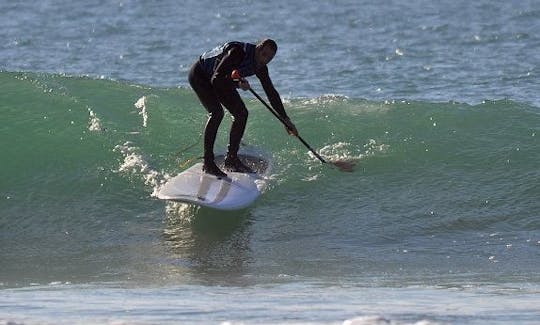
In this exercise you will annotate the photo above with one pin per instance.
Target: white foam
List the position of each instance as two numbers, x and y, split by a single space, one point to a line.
348 151
180 212
135 163
94 123
379 320
326 99
367 320
141 104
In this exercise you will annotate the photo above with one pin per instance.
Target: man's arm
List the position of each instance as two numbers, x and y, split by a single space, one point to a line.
271 92
274 98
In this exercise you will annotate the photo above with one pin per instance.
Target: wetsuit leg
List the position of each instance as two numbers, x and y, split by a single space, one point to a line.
204 90
227 94
240 116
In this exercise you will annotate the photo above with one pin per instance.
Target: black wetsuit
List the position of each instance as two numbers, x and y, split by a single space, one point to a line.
210 78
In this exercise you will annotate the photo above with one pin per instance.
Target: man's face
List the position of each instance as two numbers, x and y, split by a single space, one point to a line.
264 55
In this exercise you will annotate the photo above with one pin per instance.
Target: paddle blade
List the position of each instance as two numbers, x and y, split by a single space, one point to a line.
344 166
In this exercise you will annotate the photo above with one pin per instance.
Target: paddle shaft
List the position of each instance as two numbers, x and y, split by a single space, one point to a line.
285 123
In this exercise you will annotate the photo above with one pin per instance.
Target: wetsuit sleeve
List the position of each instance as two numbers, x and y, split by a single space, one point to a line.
234 55
271 92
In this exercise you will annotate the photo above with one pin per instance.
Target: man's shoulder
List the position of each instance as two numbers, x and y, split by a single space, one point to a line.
231 44
235 46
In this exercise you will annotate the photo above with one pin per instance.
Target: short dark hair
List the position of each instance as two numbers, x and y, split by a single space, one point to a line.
269 42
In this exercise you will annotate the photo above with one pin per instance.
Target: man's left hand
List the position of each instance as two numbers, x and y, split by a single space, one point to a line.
290 127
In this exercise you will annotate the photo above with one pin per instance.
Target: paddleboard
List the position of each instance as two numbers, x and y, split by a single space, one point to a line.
236 191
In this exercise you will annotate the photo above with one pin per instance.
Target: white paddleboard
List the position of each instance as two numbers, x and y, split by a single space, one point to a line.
236 191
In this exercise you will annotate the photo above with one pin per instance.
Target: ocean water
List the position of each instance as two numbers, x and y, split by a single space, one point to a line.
436 102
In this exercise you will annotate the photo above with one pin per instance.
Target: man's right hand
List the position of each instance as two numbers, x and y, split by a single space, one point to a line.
244 84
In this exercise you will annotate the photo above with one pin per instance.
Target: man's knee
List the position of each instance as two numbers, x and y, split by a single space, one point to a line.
222 86
216 115
241 115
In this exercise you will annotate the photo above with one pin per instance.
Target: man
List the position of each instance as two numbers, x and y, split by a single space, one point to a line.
210 77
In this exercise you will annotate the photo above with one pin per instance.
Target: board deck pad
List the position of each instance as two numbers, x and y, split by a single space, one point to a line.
236 191
256 163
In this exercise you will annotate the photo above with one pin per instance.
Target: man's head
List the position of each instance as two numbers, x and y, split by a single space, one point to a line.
265 51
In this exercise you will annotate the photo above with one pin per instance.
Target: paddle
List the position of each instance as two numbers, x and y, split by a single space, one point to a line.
345 166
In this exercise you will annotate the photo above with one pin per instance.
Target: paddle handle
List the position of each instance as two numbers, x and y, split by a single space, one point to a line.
280 118
311 149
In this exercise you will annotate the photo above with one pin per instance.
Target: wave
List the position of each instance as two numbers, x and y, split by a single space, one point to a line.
77 138
82 158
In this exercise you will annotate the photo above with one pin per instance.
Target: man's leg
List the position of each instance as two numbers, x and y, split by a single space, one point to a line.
203 88
228 95
240 115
